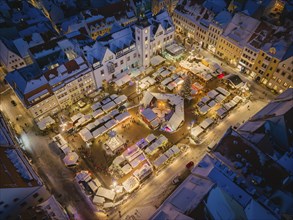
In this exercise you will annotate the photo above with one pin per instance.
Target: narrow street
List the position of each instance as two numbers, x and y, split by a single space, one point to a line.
47 161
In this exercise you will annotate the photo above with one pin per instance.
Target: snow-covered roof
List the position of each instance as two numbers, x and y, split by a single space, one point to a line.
221 206
106 193
256 211
240 28
215 5
23 44
222 19
196 131
184 199
206 123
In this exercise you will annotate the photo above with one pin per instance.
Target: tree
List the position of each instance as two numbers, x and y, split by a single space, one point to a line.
186 87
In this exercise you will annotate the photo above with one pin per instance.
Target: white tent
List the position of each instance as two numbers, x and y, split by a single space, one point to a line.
221 112
130 184
196 131
98 200
206 123
157 60
160 160
204 109
70 159
86 135
106 193
47 121
123 80
82 175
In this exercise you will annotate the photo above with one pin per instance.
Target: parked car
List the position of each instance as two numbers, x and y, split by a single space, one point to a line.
189 165
13 103
176 180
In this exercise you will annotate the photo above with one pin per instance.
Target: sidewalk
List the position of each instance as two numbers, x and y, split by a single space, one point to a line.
139 213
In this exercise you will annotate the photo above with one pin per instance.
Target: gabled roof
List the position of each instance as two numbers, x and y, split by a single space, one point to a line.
240 28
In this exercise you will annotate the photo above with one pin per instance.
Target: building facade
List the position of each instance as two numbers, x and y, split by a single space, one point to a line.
9 58
234 38
58 88
282 78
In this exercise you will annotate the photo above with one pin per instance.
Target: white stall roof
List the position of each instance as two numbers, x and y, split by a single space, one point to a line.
100 131
196 131
166 81
90 126
114 143
204 109
237 99
165 73
197 85
76 117
123 80
223 91
175 149
45 122
110 124
150 149
96 106
97 122
106 100
93 186
107 107
106 193
206 123
205 99
86 135
70 159
212 94
98 200
113 113
59 139
137 160
122 116
150 138
118 160
160 160
97 182
97 113
155 123
130 184
66 149
161 140
157 60
221 112
108 205
121 99
172 68
172 151
227 106
106 118
219 98
171 86
212 103
126 169
113 96
176 119
232 103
